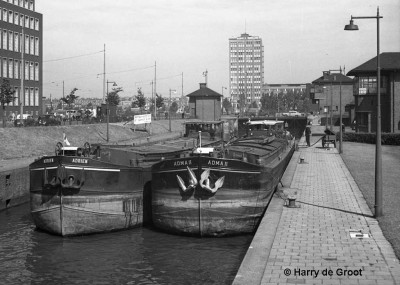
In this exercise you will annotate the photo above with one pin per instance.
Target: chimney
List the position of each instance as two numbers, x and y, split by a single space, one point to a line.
326 74
203 85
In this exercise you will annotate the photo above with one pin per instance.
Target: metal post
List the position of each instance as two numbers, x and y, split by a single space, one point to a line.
378 152
169 110
108 120
22 72
340 121
331 110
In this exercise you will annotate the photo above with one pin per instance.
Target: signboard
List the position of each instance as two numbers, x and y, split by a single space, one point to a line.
142 119
362 91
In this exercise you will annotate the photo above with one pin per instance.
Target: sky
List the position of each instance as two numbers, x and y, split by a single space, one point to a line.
176 41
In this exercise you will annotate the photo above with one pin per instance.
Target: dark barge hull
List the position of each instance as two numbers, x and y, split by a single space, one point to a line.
235 208
75 196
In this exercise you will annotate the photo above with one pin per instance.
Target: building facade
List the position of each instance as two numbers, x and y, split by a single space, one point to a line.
21 56
365 93
205 104
332 92
246 69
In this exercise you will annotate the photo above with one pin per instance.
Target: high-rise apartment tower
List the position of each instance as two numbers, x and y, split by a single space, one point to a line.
21 55
246 70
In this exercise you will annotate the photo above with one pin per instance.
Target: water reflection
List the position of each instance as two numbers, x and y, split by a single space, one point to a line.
139 256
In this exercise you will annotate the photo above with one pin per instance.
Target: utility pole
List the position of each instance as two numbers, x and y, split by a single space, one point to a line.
155 89
21 92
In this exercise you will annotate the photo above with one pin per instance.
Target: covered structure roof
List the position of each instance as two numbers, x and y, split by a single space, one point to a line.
389 61
204 91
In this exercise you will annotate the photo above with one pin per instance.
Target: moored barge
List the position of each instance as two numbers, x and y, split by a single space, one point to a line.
221 190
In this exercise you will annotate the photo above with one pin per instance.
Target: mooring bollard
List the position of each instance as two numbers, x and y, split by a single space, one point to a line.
301 159
292 202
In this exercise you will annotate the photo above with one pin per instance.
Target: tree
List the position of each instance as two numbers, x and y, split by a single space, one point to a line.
174 107
140 100
113 96
70 99
226 104
6 97
159 101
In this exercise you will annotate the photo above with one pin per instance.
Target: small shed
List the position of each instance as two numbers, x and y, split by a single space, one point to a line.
205 104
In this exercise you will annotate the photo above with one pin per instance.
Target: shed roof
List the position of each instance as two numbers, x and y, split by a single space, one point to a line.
389 61
204 91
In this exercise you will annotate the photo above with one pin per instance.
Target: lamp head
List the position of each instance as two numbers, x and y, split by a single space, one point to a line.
351 26
115 84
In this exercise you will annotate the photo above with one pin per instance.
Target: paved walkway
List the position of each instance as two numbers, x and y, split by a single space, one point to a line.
318 241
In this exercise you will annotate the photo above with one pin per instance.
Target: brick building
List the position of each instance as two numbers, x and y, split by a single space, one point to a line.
365 93
21 27
325 92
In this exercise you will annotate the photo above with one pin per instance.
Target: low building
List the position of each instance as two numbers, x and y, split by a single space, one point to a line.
365 93
328 90
205 104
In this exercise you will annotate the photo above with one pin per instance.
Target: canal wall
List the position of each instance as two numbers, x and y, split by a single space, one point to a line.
14 187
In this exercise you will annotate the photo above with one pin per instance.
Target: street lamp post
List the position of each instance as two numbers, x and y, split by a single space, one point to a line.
169 109
378 150
331 107
108 110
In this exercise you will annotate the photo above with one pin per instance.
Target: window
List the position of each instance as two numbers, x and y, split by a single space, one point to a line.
32 98
31 71
16 42
31 5
10 40
26 100
32 23
5 67
10 17
32 46
10 68
4 39
37 46
16 95
36 24
37 71
4 15
21 20
36 96
26 70
26 21
26 44
16 18
16 73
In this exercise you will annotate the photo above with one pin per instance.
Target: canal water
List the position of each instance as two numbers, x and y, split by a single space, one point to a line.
137 256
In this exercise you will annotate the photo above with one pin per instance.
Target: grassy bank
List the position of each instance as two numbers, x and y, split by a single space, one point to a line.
38 141
360 160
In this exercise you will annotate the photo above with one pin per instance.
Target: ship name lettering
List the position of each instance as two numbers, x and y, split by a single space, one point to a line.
48 160
183 163
217 163
80 160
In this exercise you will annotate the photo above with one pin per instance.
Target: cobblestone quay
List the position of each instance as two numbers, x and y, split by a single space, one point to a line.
327 236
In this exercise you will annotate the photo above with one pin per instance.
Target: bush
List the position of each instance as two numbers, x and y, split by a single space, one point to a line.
387 138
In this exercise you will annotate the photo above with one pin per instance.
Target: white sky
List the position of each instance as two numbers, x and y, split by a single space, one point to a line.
300 38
